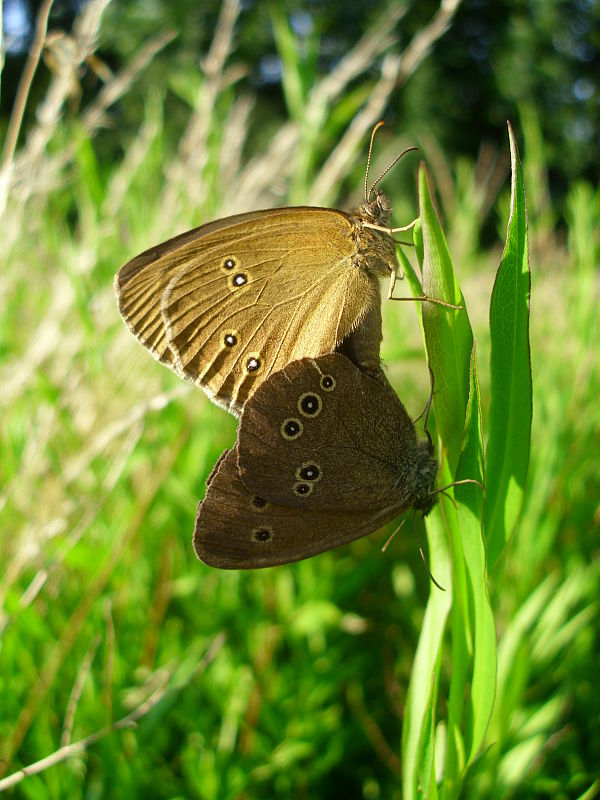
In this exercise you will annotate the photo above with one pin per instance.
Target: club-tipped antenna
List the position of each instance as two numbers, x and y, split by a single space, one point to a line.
368 191
389 541
380 124
391 166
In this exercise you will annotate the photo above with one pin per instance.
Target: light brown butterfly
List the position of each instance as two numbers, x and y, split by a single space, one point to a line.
227 304
324 455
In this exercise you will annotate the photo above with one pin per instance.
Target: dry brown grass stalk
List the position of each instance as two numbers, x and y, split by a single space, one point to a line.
187 170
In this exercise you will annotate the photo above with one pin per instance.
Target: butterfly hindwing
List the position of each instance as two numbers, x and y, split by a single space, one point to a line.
325 454
236 529
321 434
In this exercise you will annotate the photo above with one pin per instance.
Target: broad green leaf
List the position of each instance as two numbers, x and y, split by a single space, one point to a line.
511 407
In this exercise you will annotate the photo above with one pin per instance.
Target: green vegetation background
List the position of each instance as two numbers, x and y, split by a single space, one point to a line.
288 682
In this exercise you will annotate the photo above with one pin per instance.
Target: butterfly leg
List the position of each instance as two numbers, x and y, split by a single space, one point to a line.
424 298
390 231
392 284
396 274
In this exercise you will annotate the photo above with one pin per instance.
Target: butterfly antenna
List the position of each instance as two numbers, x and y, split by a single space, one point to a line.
389 541
391 166
380 124
433 580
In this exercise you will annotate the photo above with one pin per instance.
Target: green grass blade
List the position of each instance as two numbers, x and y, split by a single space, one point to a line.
421 697
592 792
427 782
511 664
511 407
470 510
473 640
411 277
455 535
461 662
448 341
448 335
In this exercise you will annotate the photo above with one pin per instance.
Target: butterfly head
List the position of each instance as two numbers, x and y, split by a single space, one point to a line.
377 209
426 470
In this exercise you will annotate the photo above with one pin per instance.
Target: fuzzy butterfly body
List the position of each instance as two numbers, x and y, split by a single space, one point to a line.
231 302
325 454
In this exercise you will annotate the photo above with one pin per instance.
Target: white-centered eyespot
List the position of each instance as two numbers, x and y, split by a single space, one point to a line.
309 471
229 263
291 428
302 489
310 404
253 363
237 280
327 383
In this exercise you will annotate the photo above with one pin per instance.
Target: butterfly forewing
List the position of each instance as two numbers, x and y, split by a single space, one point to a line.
236 529
321 434
233 301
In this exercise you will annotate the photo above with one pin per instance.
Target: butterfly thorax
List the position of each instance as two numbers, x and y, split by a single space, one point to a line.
426 470
375 249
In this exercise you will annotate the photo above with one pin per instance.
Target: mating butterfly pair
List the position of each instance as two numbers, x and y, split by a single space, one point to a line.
276 314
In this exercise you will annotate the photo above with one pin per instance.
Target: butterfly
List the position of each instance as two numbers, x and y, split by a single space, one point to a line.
227 304
325 454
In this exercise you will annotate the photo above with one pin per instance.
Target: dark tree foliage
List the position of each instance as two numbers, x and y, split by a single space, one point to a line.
498 57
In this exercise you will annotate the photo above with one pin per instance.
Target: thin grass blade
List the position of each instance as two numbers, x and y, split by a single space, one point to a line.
511 408
469 497
448 335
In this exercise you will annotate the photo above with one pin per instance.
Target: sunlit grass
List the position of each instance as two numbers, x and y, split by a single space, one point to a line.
104 455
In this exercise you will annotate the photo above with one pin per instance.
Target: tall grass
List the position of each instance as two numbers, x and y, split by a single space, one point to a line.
160 677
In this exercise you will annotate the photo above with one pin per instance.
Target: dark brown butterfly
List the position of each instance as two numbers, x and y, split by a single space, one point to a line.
324 455
229 303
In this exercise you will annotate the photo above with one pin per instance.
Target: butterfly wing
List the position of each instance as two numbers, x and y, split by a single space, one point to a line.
320 434
236 529
228 303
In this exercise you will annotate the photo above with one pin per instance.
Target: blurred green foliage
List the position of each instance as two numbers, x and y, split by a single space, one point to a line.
497 58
